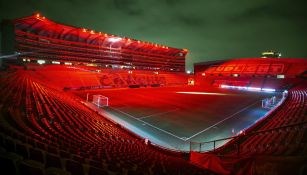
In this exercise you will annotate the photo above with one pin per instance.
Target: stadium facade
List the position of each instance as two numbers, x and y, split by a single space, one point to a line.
50 40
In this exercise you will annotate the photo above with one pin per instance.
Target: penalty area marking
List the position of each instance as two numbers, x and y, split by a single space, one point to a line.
212 126
129 115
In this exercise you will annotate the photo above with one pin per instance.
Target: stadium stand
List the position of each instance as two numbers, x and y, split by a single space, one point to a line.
76 77
46 130
283 132
282 136
274 73
47 40
43 131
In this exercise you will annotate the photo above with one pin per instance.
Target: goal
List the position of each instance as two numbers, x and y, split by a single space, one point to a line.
269 103
100 100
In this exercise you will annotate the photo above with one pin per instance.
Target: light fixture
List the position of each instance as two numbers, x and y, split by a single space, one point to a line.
114 39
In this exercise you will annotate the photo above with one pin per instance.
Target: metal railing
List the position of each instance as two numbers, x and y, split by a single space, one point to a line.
224 146
212 146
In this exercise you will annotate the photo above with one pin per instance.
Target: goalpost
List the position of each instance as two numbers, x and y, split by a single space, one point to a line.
269 103
100 100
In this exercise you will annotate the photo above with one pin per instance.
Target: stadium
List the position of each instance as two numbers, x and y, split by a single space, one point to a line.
81 102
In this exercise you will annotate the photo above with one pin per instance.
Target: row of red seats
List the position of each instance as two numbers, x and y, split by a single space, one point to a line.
69 52
259 82
284 132
106 78
53 132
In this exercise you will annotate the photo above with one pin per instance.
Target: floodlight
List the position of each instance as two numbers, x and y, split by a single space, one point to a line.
41 61
113 40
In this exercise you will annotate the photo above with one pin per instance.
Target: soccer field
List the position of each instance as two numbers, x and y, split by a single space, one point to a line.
172 117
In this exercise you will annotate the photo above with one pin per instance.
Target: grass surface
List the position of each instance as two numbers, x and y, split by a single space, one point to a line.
173 119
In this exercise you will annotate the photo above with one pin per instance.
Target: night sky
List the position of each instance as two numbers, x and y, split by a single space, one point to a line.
210 29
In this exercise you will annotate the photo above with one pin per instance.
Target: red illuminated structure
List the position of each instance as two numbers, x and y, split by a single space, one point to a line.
276 73
49 40
46 130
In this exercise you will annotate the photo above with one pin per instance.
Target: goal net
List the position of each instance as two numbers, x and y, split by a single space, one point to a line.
100 100
269 103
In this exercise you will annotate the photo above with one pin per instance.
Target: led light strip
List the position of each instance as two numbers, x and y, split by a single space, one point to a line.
201 93
248 88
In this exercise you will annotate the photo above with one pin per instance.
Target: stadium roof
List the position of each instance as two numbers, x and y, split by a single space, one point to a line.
40 25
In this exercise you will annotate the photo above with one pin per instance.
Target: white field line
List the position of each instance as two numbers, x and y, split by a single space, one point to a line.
148 123
232 115
161 113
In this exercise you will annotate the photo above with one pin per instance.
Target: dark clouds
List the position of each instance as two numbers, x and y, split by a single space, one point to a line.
210 29
130 7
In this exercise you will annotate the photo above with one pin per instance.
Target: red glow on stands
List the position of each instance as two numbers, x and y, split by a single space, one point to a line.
83 45
143 53
27 23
